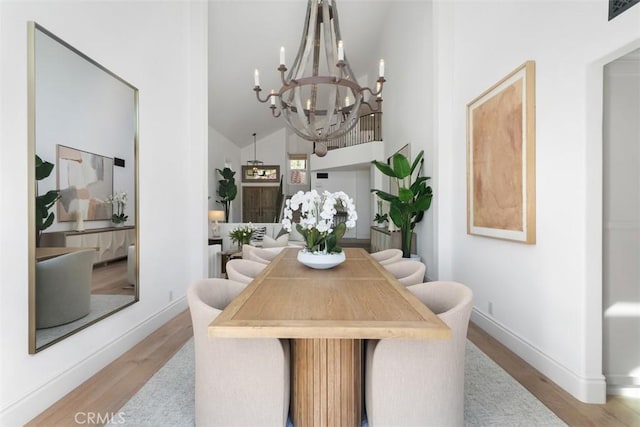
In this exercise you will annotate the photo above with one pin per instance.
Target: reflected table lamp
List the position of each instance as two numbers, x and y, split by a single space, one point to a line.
216 216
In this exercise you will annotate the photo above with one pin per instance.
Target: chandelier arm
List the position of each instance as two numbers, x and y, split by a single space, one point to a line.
380 80
283 70
376 109
257 89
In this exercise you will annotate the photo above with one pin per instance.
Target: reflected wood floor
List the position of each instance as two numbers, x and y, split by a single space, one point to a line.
111 279
107 391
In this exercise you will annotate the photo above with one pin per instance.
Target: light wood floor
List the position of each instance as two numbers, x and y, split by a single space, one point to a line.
111 279
112 387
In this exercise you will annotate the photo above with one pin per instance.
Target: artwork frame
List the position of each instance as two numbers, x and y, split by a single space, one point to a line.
501 159
262 173
76 194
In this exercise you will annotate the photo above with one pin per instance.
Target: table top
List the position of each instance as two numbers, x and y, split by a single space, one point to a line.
357 299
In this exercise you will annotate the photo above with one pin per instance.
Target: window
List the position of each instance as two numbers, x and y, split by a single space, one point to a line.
297 169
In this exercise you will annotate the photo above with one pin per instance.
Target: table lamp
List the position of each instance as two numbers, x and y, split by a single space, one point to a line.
216 216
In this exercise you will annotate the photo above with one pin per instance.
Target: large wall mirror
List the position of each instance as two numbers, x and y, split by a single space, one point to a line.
83 135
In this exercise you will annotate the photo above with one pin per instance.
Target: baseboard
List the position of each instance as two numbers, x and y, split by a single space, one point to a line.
32 404
587 390
625 391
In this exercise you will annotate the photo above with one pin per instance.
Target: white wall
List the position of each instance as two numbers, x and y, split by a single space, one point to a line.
407 49
160 47
546 297
223 153
270 149
621 232
356 184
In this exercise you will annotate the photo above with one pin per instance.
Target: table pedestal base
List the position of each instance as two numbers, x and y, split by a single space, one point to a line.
326 382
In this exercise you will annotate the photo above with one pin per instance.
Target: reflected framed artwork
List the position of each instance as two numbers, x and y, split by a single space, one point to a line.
501 159
85 181
268 173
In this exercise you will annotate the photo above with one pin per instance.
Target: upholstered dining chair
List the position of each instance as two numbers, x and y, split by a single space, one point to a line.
408 272
262 255
244 270
63 288
239 381
387 256
421 382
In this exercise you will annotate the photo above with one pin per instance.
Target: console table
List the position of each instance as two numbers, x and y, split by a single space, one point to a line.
110 243
382 239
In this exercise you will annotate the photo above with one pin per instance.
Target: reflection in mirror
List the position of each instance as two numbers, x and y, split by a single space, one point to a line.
83 131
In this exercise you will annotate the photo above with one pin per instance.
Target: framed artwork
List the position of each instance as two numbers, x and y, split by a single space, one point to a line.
268 173
501 159
616 7
85 180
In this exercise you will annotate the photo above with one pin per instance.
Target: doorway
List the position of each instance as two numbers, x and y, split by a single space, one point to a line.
621 225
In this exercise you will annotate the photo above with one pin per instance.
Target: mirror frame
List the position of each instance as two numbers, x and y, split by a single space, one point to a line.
32 28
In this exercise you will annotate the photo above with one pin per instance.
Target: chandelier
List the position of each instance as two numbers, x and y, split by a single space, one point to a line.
320 98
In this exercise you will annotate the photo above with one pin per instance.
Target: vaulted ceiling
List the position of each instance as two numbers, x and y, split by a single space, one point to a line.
245 35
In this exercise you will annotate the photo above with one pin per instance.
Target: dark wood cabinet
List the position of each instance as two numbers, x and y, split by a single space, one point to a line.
259 204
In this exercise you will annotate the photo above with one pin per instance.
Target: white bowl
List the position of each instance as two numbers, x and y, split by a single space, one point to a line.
320 261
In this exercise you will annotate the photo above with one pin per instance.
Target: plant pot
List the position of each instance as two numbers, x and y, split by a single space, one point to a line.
320 261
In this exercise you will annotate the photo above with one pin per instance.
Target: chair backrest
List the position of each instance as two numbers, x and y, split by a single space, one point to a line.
63 288
408 272
421 382
243 270
387 256
262 255
239 382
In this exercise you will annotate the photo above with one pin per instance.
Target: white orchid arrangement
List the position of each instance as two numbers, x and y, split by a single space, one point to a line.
317 219
119 202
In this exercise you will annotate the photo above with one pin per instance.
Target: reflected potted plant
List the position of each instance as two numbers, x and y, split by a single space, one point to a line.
44 202
414 195
118 201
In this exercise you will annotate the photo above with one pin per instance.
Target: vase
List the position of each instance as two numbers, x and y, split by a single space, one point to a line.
320 261
118 224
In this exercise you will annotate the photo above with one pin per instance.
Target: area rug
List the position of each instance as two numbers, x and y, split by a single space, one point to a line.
100 305
492 396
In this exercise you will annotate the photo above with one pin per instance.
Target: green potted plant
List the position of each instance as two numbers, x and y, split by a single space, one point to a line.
380 218
44 202
414 195
227 190
242 234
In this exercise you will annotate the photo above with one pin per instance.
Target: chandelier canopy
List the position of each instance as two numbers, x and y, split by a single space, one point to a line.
320 98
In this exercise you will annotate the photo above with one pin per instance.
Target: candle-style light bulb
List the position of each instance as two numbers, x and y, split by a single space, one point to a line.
273 97
308 104
256 77
281 55
381 68
340 51
346 101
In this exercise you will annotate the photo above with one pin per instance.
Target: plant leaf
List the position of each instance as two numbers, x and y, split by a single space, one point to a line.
401 166
417 160
405 194
384 168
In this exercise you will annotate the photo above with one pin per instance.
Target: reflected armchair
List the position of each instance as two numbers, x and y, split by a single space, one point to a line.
63 288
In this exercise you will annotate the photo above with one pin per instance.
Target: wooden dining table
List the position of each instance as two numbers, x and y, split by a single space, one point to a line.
327 314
